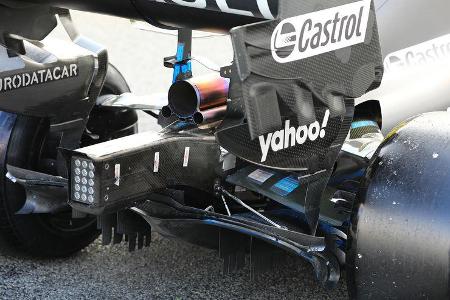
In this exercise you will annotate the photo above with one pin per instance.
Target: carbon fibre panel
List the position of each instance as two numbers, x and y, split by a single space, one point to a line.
127 170
304 90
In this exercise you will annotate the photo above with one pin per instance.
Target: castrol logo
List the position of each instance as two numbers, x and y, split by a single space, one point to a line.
319 32
435 51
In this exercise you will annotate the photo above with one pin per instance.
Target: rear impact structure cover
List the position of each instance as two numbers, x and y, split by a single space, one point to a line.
293 83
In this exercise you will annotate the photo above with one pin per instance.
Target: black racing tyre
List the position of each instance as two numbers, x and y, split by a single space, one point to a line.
54 235
399 240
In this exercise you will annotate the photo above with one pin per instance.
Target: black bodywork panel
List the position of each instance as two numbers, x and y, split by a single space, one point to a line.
208 15
30 68
22 82
54 80
31 22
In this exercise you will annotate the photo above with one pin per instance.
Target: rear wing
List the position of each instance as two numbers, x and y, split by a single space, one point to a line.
293 85
294 79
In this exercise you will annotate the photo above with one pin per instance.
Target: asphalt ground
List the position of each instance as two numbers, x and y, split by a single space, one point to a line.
167 269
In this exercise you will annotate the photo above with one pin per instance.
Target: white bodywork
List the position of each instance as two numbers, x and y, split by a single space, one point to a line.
415 39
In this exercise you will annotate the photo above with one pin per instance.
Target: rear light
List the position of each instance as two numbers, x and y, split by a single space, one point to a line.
83 187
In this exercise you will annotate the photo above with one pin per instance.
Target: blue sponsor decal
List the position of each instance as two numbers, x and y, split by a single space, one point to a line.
359 124
285 186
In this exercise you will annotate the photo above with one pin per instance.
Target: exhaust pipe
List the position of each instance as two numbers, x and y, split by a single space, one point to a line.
202 98
210 115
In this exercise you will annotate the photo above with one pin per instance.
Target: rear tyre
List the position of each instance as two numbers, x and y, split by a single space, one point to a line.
400 235
54 235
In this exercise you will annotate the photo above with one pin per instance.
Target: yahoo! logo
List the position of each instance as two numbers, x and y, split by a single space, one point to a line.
292 136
